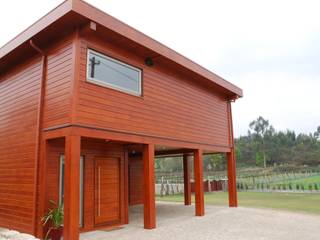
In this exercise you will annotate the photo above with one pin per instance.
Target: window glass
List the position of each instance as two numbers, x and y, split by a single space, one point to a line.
110 72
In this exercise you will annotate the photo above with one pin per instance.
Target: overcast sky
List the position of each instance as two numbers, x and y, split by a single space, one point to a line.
271 49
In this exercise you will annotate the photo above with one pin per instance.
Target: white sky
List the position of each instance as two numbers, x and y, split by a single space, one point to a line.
271 49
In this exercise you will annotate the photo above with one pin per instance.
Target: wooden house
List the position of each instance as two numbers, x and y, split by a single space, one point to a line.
86 103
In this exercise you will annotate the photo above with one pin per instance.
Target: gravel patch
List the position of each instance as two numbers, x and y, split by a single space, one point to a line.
176 221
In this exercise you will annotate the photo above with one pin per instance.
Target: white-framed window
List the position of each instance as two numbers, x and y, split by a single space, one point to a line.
109 72
61 186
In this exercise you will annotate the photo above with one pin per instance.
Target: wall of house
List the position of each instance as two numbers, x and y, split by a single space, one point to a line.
90 149
59 75
19 94
19 101
172 106
135 180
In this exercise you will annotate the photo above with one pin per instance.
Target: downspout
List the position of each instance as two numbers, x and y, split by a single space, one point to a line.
38 130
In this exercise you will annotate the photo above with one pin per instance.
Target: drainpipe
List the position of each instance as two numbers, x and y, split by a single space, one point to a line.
38 130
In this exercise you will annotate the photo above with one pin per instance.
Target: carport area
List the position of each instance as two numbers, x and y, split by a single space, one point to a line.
176 221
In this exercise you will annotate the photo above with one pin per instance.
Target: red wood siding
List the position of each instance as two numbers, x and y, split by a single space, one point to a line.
57 101
90 149
19 94
172 105
135 180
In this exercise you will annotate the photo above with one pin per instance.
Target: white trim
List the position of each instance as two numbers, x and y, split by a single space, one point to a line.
109 85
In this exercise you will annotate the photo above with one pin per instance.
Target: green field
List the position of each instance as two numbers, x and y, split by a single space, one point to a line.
297 181
296 202
305 181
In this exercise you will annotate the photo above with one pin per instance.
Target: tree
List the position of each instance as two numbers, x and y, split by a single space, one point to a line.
264 146
261 132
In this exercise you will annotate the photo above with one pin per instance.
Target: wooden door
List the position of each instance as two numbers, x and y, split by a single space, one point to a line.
107 191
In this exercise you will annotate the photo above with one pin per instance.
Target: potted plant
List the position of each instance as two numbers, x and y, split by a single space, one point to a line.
54 220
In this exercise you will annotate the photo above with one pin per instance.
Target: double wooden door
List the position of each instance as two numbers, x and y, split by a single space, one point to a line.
107 190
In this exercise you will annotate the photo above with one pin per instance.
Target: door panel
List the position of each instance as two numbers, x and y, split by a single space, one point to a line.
107 190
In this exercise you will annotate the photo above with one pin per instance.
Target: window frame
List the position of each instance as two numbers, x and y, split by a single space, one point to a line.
110 85
81 183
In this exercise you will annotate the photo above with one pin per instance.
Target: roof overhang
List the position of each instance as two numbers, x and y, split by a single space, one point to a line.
72 13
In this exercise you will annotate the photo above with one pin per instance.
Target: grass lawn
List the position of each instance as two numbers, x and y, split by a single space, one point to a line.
296 202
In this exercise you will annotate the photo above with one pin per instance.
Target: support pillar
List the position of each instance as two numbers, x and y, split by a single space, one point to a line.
71 187
198 183
232 185
231 162
149 209
186 178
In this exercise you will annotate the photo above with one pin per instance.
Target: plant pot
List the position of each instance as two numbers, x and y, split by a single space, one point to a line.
56 233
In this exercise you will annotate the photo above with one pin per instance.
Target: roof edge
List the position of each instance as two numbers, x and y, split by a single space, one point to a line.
37 27
94 14
110 22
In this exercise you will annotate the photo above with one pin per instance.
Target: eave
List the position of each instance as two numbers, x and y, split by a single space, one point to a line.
72 13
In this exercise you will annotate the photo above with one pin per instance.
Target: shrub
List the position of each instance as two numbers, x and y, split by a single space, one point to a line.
262 186
297 186
290 186
284 187
310 187
316 187
246 186
273 187
302 187
279 187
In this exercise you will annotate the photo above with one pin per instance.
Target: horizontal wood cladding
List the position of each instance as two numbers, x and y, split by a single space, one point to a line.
59 76
90 150
172 106
19 95
135 180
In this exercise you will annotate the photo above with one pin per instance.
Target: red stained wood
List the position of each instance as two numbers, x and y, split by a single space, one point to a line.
149 187
19 96
71 187
74 109
135 180
231 164
186 180
198 182
107 191
162 111
57 100
75 13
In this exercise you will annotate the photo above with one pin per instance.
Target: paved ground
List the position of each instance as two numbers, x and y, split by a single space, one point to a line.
175 221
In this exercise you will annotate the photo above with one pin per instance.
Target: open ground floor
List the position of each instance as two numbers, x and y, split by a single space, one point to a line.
176 221
97 176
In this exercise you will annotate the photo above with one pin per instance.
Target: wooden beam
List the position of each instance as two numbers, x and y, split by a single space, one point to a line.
231 162
71 187
198 182
186 179
178 152
149 187
232 185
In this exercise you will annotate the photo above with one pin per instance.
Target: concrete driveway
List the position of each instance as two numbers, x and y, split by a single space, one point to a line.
176 221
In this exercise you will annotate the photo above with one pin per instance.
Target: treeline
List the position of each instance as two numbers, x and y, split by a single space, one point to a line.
264 146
